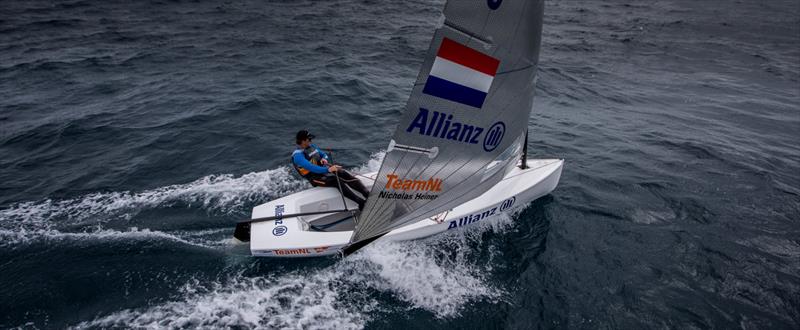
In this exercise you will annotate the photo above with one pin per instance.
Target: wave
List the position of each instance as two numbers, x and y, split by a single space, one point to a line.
286 301
340 296
98 234
373 164
347 294
225 194
28 222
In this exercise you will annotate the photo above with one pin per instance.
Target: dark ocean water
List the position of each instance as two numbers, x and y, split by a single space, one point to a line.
134 133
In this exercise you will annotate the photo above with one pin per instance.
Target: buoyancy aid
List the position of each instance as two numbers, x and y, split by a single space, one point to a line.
313 155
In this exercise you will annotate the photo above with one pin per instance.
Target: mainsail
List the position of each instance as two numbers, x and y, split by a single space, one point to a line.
464 123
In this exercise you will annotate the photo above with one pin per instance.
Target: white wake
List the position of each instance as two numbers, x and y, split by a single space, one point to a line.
339 296
437 275
34 221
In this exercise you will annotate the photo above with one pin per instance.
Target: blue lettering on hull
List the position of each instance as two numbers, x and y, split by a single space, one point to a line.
279 229
472 218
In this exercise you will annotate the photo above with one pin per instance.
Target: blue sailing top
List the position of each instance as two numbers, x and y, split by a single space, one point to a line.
310 159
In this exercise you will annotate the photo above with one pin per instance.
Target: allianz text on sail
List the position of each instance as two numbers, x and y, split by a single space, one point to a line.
444 126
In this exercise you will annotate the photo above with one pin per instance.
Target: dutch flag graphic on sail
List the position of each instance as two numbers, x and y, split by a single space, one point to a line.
461 74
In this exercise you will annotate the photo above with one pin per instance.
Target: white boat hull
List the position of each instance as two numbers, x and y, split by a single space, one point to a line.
297 237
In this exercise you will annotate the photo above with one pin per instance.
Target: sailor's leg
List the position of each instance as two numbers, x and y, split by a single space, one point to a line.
349 193
346 191
354 182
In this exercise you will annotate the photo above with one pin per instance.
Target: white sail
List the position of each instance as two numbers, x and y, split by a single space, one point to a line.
463 124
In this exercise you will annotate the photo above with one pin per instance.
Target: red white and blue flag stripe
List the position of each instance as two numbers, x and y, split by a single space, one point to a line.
461 74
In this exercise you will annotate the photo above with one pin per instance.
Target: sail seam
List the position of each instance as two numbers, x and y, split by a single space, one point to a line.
515 70
459 29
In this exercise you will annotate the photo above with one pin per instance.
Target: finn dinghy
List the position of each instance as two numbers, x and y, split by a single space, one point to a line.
457 157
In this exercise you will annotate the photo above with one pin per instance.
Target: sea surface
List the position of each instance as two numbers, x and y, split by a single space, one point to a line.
133 134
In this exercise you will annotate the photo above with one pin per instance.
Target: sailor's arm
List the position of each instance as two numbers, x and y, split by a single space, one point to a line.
301 161
325 158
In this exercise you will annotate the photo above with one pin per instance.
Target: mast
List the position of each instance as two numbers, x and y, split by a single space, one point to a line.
524 164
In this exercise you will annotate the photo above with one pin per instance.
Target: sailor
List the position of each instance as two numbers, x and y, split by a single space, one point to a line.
315 165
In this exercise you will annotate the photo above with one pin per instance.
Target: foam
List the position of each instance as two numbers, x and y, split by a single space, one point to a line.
332 297
418 275
373 164
285 301
28 221
222 194
338 296
23 236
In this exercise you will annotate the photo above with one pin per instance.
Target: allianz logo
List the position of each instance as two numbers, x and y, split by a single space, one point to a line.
444 126
472 218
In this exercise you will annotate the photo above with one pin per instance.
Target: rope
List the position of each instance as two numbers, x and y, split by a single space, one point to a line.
338 183
365 177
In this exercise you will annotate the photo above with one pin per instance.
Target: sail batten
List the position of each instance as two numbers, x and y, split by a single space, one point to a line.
462 125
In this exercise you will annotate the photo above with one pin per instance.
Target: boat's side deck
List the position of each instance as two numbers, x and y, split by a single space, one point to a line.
342 221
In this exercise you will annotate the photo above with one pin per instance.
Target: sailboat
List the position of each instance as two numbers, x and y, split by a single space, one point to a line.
457 157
